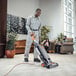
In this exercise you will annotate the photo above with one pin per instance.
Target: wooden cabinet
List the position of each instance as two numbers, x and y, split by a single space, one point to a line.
20 46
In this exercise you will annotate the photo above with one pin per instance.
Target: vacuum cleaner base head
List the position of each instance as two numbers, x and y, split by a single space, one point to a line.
52 65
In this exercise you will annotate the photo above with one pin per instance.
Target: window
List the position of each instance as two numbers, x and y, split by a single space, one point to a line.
68 18
69 13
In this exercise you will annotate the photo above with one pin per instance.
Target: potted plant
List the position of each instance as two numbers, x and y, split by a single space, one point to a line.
44 32
60 37
10 51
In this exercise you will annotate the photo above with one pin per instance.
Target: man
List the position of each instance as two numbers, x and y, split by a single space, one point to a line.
59 43
65 39
33 25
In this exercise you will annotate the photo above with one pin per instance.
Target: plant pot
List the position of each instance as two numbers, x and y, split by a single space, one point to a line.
10 53
51 51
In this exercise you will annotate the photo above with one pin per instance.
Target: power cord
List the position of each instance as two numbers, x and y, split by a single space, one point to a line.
16 66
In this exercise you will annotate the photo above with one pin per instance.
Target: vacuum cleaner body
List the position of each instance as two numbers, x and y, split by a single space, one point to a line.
44 56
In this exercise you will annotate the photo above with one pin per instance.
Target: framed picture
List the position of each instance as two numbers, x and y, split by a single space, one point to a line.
16 24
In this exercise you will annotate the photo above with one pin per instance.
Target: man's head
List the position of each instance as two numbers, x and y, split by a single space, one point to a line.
37 12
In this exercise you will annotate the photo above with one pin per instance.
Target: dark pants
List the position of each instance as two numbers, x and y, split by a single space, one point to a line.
57 48
46 48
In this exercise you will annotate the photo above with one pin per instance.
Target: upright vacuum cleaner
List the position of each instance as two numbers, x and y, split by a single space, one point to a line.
47 62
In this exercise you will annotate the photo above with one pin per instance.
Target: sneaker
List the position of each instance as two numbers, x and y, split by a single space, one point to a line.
26 59
36 60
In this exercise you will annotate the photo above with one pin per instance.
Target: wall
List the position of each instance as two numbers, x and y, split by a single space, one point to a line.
75 18
51 13
22 8
51 16
75 25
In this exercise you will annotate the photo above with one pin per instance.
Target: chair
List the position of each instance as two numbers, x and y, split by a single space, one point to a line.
67 47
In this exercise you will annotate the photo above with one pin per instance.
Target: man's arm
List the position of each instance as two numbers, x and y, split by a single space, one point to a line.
28 23
40 30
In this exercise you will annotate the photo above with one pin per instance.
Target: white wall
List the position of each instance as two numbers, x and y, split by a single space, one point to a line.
75 26
51 12
22 8
75 14
51 15
75 17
